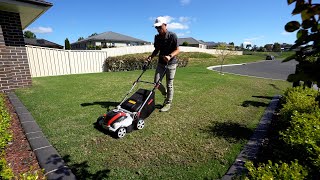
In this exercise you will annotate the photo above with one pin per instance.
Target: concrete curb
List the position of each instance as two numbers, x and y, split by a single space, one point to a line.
251 149
48 157
226 65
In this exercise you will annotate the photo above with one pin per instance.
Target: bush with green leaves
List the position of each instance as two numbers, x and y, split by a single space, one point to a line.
5 170
301 99
132 62
276 171
303 135
307 43
4 124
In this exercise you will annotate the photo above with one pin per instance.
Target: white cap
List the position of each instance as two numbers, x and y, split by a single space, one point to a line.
159 21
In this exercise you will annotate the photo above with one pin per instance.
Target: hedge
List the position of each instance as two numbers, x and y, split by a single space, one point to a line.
299 134
134 62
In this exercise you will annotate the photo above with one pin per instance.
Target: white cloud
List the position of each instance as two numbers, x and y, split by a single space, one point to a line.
174 26
246 42
168 19
185 2
183 34
40 30
184 19
180 34
182 22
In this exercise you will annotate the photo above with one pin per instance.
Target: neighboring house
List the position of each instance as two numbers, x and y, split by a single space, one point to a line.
214 45
106 40
42 43
286 47
16 15
192 42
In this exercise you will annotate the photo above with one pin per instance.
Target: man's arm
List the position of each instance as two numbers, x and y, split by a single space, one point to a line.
154 53
174 53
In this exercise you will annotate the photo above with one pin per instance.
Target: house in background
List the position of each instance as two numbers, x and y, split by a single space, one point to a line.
214 45
42 43
191 42
16 15
107 40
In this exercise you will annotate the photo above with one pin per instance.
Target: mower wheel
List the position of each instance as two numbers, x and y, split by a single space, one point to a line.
121 132
140 124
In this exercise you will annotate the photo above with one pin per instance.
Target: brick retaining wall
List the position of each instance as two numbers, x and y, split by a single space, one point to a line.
14 67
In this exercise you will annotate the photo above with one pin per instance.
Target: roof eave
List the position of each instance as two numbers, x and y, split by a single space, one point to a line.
29 10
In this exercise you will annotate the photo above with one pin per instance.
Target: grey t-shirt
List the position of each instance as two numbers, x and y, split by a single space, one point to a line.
167 45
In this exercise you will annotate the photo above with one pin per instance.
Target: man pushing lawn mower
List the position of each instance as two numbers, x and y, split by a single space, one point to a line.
132 111
166 43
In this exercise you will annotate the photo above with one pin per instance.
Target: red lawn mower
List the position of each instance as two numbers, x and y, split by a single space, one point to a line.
131 112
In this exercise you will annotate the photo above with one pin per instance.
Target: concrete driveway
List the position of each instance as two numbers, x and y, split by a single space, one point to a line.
270 69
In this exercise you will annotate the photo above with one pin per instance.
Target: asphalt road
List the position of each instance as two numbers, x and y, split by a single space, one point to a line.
270 69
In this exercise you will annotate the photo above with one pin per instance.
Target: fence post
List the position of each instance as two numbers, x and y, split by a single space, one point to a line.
69 59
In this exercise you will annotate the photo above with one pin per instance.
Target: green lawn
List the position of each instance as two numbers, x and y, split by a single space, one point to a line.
211 119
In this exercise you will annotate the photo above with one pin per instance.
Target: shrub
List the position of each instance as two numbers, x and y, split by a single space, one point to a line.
133 62
298 99
4 124
5 170
303 135
276 171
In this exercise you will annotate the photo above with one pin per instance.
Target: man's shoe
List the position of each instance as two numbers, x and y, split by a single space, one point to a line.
165 108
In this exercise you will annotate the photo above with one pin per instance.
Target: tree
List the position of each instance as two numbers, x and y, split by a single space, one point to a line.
248 46
29 34
268 47
67 44
255 48
80 38
223 53
276 47
93 34
307 43
185 43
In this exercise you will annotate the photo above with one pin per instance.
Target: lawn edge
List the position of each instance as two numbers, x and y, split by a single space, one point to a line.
251 149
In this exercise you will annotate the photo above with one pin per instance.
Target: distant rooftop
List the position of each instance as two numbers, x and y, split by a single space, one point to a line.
42 43
112 36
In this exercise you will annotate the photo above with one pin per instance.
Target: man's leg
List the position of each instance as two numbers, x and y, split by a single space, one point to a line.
159 71
171 71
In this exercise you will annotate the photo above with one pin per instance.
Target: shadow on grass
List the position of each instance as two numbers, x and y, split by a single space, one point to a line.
257 103
103 104
232 132
254 103
274 86
81 170
264 97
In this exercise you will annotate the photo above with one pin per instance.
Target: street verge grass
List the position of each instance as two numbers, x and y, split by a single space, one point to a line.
211 119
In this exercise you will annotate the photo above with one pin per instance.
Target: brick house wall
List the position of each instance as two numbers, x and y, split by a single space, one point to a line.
14 66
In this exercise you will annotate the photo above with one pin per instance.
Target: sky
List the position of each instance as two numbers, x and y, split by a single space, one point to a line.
255 22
